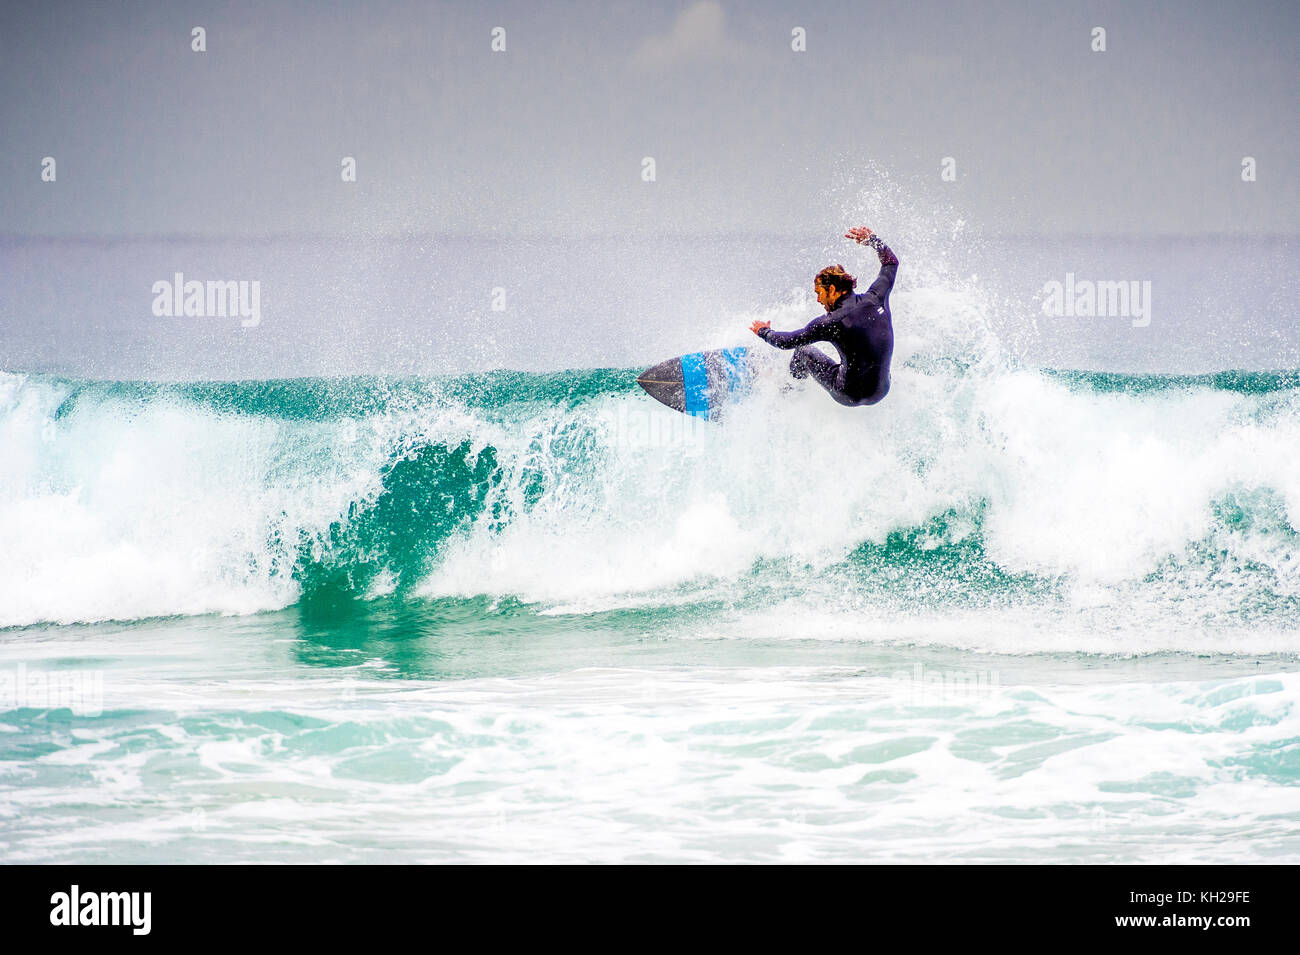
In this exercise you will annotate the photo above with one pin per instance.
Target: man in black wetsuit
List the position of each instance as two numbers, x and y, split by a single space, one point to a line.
858 326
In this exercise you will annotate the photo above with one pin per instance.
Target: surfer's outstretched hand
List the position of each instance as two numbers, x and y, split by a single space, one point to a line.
859 234
758 326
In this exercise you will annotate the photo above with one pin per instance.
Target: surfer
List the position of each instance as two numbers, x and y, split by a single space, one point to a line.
857 325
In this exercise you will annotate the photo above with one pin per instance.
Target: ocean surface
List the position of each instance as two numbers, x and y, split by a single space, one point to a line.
267 603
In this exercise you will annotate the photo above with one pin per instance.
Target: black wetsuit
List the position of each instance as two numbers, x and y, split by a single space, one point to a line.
860 329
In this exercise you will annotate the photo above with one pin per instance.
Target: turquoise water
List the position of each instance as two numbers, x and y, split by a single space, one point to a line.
521 617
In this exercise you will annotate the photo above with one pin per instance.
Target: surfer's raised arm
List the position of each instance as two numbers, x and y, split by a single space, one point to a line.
888 260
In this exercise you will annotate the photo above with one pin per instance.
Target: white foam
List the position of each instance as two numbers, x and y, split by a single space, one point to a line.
692 764
121 509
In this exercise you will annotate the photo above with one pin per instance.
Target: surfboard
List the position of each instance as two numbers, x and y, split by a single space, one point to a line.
701 383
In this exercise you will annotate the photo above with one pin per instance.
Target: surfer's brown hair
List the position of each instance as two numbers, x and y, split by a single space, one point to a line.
835 277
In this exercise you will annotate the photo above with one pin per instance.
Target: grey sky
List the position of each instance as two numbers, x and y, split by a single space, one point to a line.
247 138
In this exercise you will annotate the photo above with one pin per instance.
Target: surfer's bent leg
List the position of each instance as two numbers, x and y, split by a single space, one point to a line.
810 362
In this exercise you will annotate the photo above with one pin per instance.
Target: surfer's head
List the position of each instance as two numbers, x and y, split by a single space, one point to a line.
832 284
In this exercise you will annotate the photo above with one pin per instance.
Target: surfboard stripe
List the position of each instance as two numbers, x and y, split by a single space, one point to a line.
737 374
695 379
